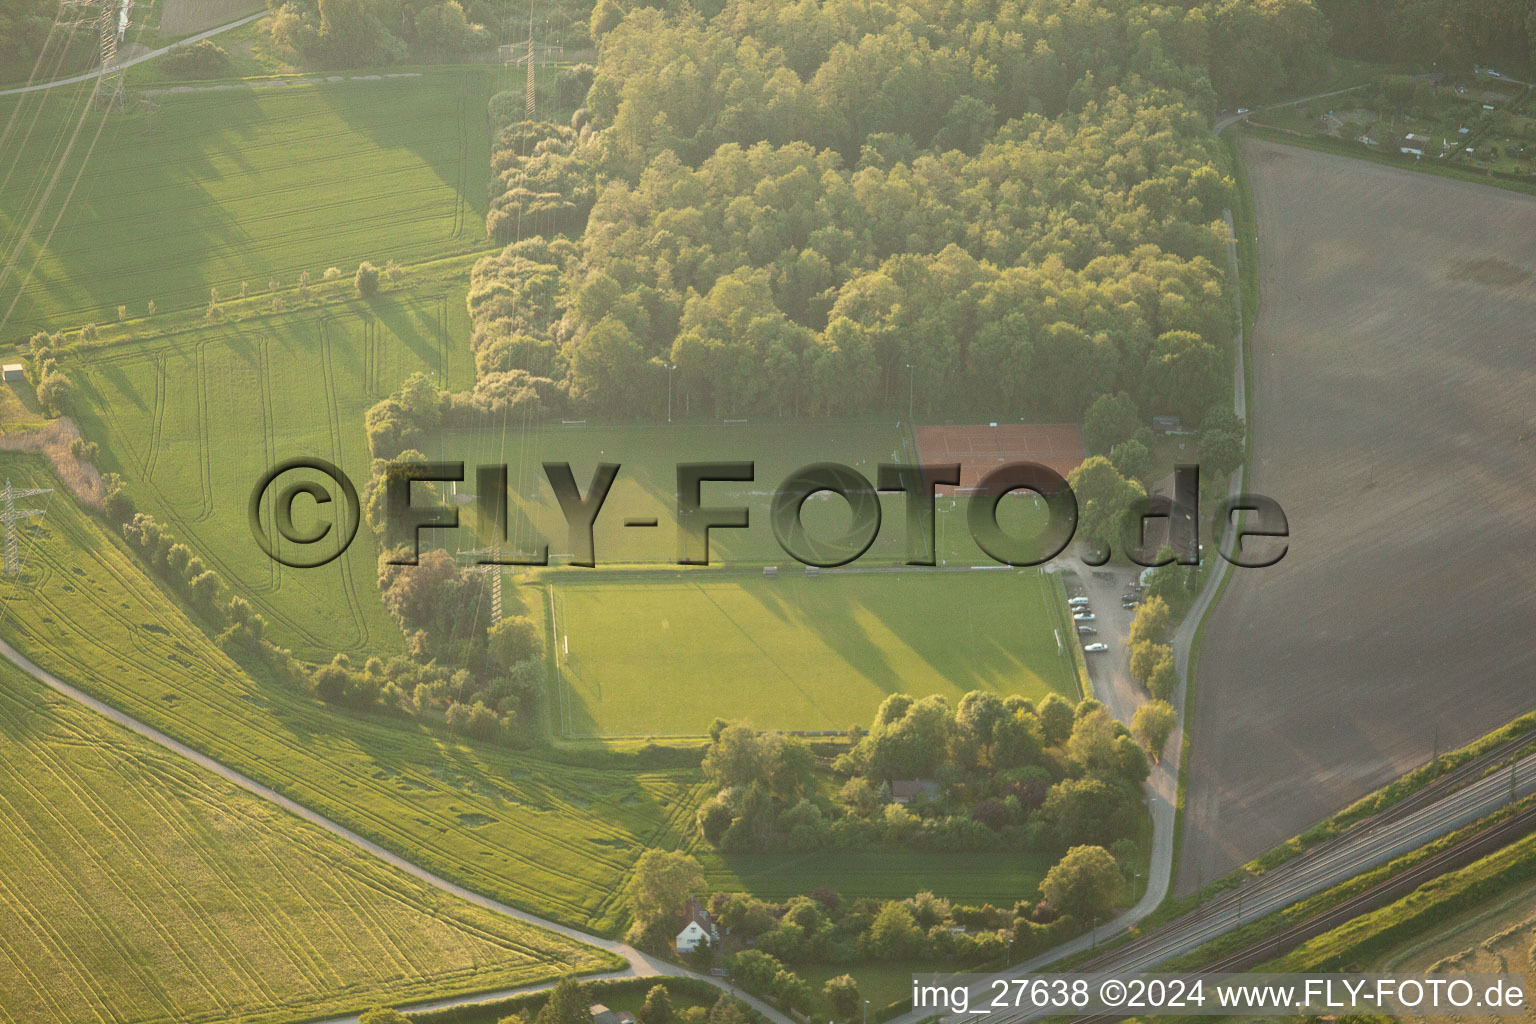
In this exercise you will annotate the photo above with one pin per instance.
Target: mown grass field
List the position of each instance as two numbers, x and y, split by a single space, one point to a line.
139 888
658 654
556 839
193 421
646 488
218 187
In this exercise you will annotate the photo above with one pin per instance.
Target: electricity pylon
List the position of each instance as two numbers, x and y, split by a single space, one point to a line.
528 104
10 515
494 568
110 22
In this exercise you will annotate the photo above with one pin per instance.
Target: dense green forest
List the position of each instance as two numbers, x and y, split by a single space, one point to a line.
791 204
1447 33
797 205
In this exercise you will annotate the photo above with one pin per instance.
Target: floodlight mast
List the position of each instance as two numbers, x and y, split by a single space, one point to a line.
10 515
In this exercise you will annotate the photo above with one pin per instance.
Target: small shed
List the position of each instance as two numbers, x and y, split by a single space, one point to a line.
14 371
1165 424
1414 145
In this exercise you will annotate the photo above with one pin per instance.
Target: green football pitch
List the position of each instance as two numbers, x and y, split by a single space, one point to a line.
654 654
646 489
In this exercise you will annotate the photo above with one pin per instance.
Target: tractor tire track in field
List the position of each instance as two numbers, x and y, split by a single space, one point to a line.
84 637
103 929
460 196
371 358
333 422
269 443
205 445
353 885
442 339
639 964
102 813
92 378
441 821
189 296
157 418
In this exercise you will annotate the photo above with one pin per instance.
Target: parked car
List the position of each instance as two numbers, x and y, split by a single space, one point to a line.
1077 602
1132 596
1095 648
1084 616
1086 630
1128 605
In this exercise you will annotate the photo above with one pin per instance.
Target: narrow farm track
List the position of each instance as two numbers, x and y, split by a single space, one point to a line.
639 964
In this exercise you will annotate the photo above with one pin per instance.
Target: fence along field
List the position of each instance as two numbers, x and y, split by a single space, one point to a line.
555 839
218 187
797 651
140 889
193 422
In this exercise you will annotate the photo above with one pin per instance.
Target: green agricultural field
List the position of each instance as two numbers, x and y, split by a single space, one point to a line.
193 421
556 839
658 654
216 187
139 888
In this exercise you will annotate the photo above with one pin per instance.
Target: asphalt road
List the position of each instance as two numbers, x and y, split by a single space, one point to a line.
640 964
141 58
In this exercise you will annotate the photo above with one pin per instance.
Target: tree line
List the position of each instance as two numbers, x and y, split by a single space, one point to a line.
993 773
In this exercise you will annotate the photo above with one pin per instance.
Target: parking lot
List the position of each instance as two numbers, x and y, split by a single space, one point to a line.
1110 670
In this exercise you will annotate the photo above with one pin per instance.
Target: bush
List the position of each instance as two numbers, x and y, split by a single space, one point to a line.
205 59
367 280
53 392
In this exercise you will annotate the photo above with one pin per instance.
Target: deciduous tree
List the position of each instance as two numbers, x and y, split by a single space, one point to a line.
661 884
1153 724
1085 883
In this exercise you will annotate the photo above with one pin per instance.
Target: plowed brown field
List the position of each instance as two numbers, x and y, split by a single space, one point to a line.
1394 418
